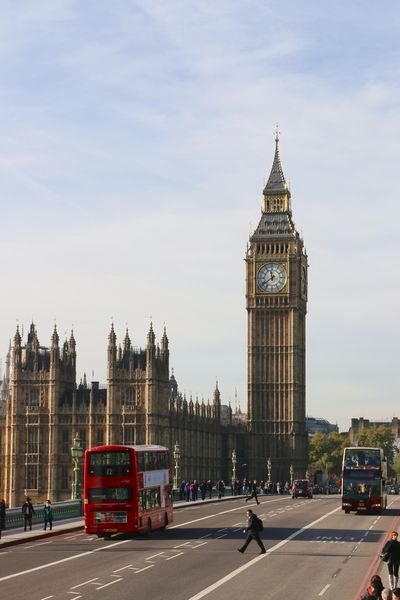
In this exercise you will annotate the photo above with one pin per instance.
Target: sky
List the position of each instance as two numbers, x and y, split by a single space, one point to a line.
135 140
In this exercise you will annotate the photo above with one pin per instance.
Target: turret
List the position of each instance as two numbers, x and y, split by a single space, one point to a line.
55 350
112 349
17 352
217 402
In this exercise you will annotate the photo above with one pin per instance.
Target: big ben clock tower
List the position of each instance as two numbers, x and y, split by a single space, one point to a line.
276 302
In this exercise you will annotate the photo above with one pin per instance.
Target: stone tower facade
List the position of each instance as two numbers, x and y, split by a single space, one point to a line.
276 302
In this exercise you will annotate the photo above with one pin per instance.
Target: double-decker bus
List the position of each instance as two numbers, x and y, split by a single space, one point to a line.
127 489
364 477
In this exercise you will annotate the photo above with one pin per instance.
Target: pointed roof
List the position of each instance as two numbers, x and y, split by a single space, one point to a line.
276 181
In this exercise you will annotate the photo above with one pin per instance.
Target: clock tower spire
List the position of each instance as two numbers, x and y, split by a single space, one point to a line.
276 302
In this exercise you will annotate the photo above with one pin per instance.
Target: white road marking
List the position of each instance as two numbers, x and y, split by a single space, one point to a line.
38 544
145 569
223 529
203 537
84 583
154 555
235 530
221 536
175 556
198 545
322 592
47 598
252 562
107 584
180 545
122 568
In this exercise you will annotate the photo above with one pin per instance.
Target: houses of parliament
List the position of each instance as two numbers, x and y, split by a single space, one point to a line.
42 406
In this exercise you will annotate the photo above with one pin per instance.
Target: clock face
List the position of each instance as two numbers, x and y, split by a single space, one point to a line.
272 277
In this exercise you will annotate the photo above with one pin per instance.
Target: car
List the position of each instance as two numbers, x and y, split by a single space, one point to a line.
333 489
318 489
393 489
301 488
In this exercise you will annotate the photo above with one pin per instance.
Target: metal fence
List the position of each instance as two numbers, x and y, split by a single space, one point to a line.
61 510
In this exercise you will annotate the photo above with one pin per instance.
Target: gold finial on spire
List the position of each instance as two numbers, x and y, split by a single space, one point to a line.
277 133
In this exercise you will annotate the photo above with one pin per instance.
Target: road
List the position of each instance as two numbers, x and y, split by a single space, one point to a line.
314 551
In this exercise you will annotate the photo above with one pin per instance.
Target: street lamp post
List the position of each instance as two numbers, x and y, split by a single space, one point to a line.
291 474
76 455
269 470
234 461
307 474
177 458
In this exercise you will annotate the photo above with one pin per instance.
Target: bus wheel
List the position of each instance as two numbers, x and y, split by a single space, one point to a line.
149 527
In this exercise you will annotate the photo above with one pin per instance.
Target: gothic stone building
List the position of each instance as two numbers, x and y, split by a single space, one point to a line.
42 406
140 405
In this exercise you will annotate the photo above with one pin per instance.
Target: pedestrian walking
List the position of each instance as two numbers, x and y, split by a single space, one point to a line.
374 589
2 515
391 555
209 488
253 492
27 511
48 515
220 487
253 529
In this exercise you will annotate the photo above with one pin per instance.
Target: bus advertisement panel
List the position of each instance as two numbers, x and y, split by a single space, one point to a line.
364 475
127 489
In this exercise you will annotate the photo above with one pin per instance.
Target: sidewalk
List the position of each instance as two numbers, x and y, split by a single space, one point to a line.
11 537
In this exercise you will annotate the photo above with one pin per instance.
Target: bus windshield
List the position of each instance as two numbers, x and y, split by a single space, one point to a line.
361 488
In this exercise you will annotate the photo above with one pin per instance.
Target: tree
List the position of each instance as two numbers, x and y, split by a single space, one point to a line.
326 452
380 437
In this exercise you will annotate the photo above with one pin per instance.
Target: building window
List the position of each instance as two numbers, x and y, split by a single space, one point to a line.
64 478
33 397
32 477
129 436
99 437
82 437
33 440
65 442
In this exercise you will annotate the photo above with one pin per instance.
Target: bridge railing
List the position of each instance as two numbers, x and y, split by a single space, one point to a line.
61 510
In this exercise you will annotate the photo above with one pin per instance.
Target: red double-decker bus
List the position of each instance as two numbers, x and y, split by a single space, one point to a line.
127 489
364 476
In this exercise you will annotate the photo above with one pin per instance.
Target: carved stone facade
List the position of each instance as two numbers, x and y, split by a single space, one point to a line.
141 404
276 302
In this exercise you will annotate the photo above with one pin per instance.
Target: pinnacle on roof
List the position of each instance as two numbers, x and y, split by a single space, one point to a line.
276 181
127 341
54 337
112 338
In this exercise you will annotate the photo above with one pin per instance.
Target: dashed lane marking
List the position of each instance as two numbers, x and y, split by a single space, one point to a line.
84 583
144 569
322 592
175 556
121 569
110 583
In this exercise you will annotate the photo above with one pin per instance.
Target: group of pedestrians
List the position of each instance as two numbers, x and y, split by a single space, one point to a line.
28 511
391 555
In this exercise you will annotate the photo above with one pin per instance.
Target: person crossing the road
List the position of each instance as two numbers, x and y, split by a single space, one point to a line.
254 526
253 492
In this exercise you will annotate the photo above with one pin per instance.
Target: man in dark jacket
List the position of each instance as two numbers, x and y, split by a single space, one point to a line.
2 515
27 511
252 531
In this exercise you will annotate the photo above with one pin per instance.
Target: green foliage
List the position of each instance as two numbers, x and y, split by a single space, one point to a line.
396 467
326 452
380 437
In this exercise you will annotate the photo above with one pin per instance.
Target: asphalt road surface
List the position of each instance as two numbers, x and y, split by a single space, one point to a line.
314 551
